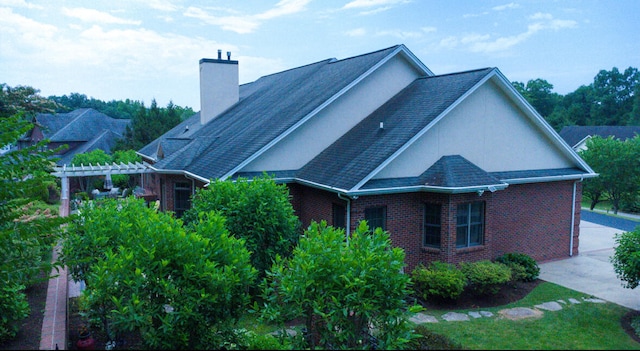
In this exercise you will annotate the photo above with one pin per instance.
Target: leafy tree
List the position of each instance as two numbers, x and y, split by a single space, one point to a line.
614 93
259 211
618 163
350 295
149 124
146 274
539 94
626 257
25 239
95 157
22 100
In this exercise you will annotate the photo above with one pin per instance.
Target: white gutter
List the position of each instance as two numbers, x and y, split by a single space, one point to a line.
185 173
550 178
573 217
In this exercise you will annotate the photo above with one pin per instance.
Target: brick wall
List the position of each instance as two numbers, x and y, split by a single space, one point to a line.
534 219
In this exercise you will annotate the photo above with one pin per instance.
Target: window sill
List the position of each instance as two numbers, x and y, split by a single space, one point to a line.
470 249
428 249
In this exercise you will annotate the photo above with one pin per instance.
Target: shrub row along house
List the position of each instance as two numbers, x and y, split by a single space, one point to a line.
456 167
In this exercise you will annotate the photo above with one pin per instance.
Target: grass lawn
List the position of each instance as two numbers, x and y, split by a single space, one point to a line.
584 326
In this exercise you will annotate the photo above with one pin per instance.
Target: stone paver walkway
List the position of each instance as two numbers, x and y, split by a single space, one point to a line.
510 313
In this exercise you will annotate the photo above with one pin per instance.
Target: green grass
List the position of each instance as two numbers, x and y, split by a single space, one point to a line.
584 326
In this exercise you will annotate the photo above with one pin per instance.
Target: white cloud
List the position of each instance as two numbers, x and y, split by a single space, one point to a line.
95 16
358 32
399 34
244 24
283 8
370 3
485 43
19 3
162 5
471 15
509 6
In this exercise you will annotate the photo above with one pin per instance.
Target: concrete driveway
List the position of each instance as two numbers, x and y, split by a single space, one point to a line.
590 271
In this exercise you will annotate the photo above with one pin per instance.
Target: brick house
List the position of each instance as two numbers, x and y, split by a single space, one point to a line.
456 167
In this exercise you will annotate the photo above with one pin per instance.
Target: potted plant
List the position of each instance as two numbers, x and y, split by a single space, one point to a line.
85 339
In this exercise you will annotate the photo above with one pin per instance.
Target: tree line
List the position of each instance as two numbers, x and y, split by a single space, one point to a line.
613 98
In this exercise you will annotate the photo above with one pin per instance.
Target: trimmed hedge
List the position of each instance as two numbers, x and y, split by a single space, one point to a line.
438 279
485 276
524 267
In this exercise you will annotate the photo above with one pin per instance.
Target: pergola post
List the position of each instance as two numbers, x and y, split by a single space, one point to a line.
64 196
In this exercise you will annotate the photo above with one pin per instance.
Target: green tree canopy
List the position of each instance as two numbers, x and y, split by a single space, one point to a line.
257 210
626 257
345 292
618 163
25 239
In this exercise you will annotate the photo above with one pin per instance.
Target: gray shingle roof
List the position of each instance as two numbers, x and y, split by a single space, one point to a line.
267 108
574 134
79 125
270 106
356 154
93 129
449 172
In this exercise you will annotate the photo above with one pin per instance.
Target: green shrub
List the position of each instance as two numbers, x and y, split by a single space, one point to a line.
529 270
349 295
429 340
485 276
13 309
438 279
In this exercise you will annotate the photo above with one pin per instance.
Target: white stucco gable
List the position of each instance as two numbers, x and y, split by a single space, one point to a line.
339 115
492 128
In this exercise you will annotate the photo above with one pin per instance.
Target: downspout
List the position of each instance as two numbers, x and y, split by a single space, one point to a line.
348 226
573 216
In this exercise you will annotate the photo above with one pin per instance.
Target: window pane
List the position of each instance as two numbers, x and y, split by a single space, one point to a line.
339 213
432 225
461 236
463 214
475 234
182 198
376 217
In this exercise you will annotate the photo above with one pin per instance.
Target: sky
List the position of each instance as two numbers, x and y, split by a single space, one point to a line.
149 49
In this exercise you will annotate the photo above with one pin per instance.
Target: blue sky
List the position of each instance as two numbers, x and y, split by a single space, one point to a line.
144 50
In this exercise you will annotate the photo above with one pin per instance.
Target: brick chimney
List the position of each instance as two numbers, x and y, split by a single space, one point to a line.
219 86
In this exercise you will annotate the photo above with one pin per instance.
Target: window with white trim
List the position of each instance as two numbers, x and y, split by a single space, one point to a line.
470 224
432 225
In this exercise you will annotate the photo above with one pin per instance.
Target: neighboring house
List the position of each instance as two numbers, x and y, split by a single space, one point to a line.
577 136
456 167
83 130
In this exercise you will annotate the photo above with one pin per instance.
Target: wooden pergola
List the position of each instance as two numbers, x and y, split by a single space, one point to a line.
65 172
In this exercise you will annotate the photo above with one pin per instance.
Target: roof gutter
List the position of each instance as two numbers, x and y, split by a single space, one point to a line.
185 173
550 178
405 189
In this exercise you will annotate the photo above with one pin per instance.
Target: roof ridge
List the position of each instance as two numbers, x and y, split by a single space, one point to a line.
73 120
368 53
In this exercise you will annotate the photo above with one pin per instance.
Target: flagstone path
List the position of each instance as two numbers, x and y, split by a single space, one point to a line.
510 313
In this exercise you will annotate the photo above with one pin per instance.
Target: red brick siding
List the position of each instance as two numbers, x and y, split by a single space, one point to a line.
534 219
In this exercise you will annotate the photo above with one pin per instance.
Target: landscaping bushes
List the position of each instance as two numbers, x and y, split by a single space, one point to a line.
449 281
524 268
438 279
485 276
